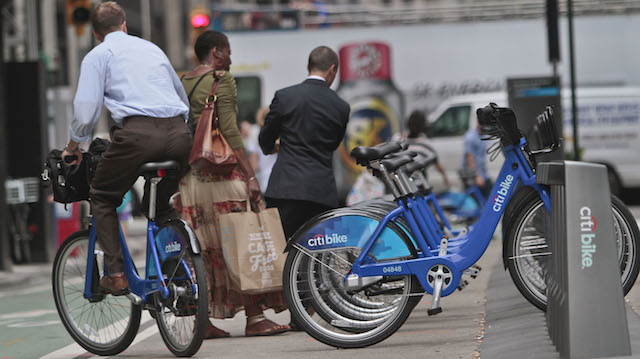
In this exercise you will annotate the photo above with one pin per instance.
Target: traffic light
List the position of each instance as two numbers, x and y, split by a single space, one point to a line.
78 14
199 18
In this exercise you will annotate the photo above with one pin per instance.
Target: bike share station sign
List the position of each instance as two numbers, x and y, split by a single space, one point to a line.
586 313
529 96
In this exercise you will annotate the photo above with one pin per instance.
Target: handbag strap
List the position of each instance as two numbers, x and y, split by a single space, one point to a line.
216 81
194 87
213 90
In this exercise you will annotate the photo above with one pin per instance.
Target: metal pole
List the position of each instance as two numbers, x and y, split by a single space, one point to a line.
49 32
73 61
572 77
19 22
5 261
174 32
31 18
145 14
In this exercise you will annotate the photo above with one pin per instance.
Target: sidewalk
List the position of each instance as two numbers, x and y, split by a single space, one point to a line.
32 274
516 329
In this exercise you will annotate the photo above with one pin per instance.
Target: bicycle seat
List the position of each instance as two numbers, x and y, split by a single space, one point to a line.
364 155
150 169
419 163
392 164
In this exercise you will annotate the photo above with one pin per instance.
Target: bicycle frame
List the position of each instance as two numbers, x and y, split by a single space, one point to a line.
468 247
142 288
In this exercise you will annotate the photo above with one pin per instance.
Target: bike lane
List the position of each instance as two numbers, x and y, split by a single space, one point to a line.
29 323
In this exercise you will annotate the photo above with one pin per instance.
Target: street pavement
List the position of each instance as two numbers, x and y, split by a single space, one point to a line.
30 327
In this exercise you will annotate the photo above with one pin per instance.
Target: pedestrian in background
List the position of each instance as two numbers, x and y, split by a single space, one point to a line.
205 196
250 145
310 120
475 160
134 79
264 162
418 142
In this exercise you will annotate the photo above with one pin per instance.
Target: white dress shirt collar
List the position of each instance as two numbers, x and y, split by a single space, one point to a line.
316 77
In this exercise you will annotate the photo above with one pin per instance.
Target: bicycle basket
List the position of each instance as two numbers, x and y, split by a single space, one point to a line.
499 122
546 136
69 183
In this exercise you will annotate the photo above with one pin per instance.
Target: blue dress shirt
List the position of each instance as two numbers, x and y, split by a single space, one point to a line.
477 148
131 77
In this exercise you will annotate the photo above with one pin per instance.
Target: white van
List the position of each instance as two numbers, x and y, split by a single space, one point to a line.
608 130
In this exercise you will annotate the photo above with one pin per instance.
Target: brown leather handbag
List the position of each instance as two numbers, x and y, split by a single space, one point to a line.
210 152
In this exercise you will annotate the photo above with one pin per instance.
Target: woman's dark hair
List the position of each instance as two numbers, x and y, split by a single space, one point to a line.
207 41
417 123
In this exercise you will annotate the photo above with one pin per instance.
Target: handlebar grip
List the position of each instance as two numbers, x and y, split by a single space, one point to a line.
69 159
388 147
402 153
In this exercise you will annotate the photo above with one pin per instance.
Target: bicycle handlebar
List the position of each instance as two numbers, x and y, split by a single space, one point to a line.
499 122
69 159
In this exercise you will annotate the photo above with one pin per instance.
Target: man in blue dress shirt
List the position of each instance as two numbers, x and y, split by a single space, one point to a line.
134 79
475 159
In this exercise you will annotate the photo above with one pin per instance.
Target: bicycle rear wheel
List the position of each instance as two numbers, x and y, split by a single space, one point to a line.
104 324
182 317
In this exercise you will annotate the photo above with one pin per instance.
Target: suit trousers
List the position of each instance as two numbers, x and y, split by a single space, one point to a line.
140 140
294 213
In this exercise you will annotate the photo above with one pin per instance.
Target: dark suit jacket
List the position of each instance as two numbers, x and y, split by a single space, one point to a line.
310 119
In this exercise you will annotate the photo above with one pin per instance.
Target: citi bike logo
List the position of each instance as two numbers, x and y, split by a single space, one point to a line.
500 197
172 247
322 240
588 226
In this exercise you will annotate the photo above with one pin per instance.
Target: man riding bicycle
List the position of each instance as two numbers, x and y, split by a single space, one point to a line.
134 79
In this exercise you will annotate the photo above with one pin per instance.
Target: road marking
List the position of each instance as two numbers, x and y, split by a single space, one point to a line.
145 334
74 349
32 290
34 324
15 341
27 314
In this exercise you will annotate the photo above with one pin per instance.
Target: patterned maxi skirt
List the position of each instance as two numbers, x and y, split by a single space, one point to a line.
204 197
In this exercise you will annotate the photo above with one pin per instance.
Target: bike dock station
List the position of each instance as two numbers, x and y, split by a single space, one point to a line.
586 314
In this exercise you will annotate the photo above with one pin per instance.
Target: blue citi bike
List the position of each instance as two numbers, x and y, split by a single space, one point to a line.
353 275
173 289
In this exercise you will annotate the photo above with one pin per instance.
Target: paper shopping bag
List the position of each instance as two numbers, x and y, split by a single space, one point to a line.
253 246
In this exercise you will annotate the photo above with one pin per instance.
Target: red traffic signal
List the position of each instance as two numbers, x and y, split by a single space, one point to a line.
200 20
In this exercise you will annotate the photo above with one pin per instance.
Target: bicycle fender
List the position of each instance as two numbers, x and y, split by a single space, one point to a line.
349 227
193 239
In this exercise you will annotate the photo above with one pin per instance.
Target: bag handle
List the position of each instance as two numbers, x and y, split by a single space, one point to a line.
249 206
213 99
216 81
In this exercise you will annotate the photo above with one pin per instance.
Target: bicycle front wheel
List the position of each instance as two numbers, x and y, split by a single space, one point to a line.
528 251
103 324
310 296
182 317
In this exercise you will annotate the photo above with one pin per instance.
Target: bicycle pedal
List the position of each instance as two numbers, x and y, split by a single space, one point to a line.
462 284
434 311
473 272
476 267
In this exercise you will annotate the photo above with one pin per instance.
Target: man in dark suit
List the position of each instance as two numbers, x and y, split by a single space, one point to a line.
310 119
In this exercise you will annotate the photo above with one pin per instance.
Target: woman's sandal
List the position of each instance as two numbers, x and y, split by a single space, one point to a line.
214 332
261 326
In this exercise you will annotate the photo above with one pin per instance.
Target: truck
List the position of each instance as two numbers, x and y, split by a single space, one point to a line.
608 130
